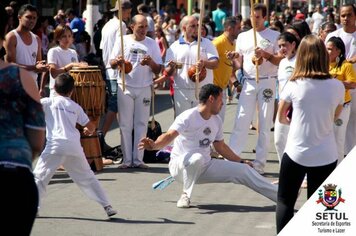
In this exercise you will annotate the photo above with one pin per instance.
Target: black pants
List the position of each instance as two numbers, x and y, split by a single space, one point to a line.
18 200
291 176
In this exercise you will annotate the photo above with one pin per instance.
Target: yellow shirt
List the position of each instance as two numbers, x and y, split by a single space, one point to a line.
344 73
224 70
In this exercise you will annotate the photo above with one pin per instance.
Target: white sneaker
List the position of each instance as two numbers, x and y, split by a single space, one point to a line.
110 211
184 201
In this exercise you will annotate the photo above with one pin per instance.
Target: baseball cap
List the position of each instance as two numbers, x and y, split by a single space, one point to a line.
299 16
125 4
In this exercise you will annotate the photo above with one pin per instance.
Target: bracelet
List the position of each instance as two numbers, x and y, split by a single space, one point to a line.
65 69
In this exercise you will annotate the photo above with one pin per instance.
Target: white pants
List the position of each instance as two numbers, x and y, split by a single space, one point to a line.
340 131
263 94
134 113
223 108
77 168
280 138
350 140
193 168
184 99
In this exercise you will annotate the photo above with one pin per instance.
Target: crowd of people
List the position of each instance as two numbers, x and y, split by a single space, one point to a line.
292 70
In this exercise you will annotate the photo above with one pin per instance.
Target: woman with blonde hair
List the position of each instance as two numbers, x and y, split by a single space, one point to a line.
317 101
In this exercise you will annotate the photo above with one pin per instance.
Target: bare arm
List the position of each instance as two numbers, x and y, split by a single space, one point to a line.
89 128
10 57
273 58
35 137
147 60
338 111
209 64
162 141
226 152
282 112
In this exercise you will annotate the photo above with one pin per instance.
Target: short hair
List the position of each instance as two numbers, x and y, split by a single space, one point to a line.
312 59
339 44
143 7
302 28
220 5
277 25
349 5
3 21
60 30
230 21
207 90
260 7
289 37
64 84
27 7
70 11
331 25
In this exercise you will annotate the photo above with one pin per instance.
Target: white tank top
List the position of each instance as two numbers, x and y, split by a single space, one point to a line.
26 54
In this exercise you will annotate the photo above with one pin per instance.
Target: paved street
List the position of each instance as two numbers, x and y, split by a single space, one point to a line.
217 209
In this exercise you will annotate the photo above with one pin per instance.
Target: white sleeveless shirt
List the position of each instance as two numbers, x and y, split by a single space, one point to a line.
26 54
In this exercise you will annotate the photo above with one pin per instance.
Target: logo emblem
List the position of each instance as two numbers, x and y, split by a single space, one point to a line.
207 131
146 101
338 122
267 95
330 198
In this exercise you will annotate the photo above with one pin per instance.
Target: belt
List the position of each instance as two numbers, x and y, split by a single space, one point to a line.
346 104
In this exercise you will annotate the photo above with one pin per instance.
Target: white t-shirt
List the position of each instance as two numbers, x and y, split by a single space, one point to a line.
195 133
186 53
285 70
110 34
318 20
60 58
61 115
267 40
311 139
349 41
27 54
140 76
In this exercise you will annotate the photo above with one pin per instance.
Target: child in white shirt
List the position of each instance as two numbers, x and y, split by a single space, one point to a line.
63 144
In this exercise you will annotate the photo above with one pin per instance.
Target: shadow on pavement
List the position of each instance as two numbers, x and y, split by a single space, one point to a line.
222 208
118 220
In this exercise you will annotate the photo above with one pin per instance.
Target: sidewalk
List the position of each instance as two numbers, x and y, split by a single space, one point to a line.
217 209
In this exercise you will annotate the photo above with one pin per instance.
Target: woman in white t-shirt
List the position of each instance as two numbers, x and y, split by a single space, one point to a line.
62 58
317 101
288 45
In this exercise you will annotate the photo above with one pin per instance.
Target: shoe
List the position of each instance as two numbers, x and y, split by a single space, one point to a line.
142 166
123 166
259 169
184 201
110 211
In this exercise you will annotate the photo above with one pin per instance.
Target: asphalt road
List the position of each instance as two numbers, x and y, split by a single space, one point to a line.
216 209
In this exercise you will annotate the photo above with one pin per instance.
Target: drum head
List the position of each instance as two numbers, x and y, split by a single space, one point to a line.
85 68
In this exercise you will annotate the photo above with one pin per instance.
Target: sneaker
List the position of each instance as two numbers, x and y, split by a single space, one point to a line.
184 201
142 166
110 211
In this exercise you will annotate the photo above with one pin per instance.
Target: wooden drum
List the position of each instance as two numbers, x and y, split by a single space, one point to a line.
89 93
